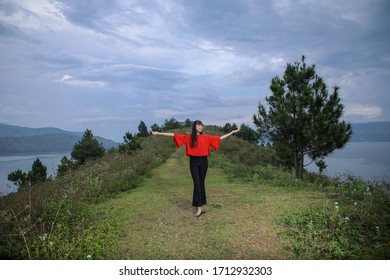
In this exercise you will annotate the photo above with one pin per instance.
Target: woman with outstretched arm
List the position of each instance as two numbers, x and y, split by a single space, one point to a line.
198 149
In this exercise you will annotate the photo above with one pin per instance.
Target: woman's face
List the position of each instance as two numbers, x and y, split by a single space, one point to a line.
199 128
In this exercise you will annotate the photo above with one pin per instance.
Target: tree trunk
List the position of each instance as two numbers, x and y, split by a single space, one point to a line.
296 162
300 175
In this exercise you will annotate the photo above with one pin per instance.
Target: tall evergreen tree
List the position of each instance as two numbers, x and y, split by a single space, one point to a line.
187 123
303 118
131 144
229 127
87 148
38 172
170 124
65 166
142 130
155 127
19 178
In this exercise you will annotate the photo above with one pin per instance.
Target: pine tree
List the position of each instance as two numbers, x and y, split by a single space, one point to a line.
170 124
142 130
38 172
303 118
155 127
87 148
19 178
229 127
187 123
131 144
65 166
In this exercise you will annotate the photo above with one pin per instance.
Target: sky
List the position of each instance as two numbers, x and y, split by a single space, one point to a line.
105 65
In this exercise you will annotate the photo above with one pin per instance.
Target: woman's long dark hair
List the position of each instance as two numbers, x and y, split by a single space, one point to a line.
194 133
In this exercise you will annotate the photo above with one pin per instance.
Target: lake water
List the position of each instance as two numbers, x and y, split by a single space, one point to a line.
9 164
369 160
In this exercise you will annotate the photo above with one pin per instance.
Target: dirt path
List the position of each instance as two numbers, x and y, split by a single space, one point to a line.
157 219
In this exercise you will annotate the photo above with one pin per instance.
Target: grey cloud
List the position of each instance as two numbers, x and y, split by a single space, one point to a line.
208 59
88 13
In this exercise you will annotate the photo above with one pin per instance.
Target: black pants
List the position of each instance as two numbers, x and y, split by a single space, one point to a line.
198 167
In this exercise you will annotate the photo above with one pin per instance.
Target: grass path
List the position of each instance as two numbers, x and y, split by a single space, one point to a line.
157 220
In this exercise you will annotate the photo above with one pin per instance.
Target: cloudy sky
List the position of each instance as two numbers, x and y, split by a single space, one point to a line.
107 64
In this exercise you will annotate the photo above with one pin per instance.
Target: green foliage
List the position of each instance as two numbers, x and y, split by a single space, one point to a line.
241 159
19 178
321 165
303 119
170 124
248 134
142 130
155 127
354 225
131 144
316 234
65 166
187 123
88 148
38 172
229 127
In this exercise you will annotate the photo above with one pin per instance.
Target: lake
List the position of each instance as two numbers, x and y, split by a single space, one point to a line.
369 160
9 164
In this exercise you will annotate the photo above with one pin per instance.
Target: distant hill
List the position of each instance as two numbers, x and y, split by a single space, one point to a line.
16 140
371 132
7 130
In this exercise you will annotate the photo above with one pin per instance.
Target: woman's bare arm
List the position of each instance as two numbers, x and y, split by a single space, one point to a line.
163 133
230 133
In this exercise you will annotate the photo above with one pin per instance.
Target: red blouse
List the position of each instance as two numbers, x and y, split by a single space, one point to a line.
202 148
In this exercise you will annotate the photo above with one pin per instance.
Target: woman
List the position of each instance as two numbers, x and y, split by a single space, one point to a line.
198 149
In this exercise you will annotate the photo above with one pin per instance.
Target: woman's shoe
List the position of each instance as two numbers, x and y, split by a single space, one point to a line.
200 214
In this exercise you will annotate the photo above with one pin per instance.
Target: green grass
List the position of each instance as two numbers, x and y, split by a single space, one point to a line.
157 219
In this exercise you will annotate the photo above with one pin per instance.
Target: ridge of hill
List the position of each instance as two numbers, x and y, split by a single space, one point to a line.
7 130
371 132
16 140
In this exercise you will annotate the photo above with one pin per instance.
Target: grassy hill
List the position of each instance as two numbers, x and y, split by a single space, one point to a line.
139 207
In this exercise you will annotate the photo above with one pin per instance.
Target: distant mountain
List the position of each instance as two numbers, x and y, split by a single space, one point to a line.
7 130
371 132
16 140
